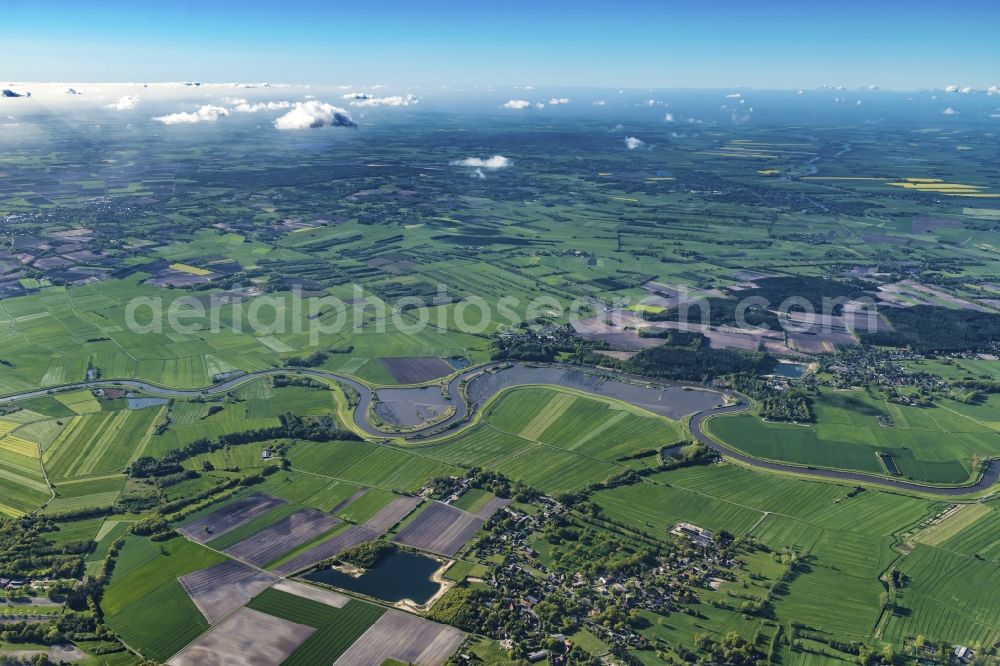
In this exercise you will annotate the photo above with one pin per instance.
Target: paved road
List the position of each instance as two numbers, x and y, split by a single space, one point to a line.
464 411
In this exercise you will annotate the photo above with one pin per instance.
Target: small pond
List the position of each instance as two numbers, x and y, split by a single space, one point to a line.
399 575
458 362
142 403
789 370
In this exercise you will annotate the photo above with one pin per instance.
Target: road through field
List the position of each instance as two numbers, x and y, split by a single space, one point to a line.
472 388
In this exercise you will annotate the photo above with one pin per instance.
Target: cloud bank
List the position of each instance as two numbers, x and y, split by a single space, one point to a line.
126 103
206 113
633 143
245 107
362 99
516 104
314 114
495 162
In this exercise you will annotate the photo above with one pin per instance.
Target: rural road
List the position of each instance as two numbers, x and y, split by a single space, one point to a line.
465 410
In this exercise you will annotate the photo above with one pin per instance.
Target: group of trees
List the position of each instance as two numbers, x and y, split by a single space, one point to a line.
26 550
315 428
531 346
716 311
794 404
689 362
929 328
732 650
365 555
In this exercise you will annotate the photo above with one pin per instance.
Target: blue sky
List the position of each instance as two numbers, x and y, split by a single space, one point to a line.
762 44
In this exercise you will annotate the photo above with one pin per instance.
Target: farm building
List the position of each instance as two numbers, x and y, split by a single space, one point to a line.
698 535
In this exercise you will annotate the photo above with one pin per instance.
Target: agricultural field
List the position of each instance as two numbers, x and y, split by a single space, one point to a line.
844 536
936 601
336 629
929 444
440 529
627 214
146 603
555 440
24 488
220 590
98 443
85 493
282 537
373 528
229 517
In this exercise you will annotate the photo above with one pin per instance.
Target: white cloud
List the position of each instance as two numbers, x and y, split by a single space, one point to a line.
207 113
126 103
495 162
952 88
516 104
539 105
734 96
967 90
873 87
993 90
478 173
360 99
995 115
669 118
950 112
599 102
233 100
801 92
314 114
633 143
558 100
246 107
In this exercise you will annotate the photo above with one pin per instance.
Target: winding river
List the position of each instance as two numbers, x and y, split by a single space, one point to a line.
470 389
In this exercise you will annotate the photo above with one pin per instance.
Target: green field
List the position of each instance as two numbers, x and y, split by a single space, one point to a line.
98 443
337 628
23 488
395 469
146 604
931 444
947 595
866 200
843 538
554 440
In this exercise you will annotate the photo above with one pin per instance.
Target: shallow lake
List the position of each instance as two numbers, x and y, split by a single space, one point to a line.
410 406
789 370
142 403
399 575
663 398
